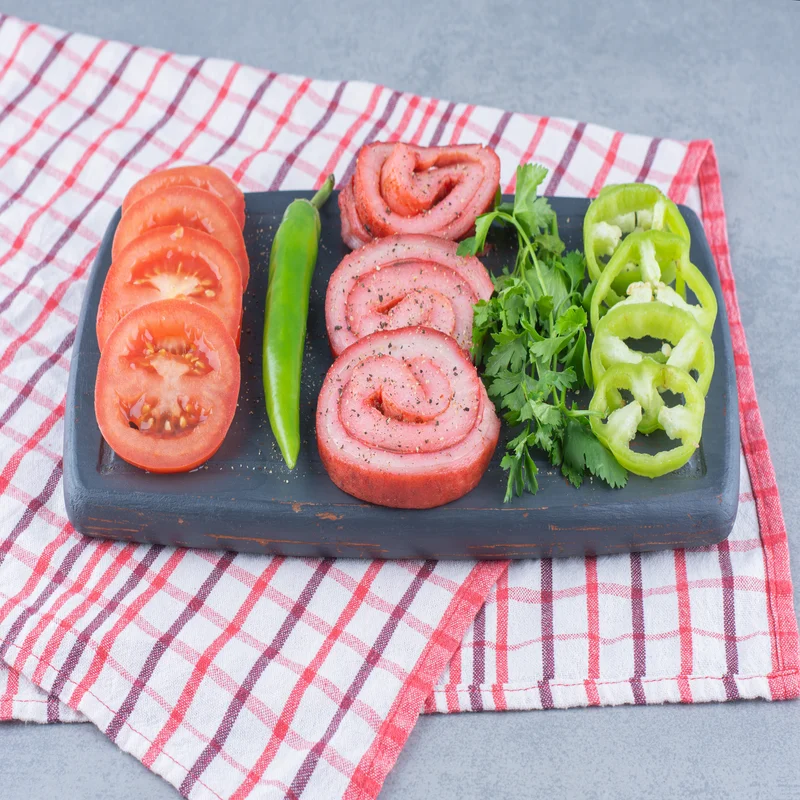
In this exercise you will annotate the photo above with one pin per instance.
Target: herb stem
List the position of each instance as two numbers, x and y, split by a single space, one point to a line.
530 252
578 412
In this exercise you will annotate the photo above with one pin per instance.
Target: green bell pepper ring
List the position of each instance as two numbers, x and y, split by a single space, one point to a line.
291 267
622 209
686 345
615 423
652 253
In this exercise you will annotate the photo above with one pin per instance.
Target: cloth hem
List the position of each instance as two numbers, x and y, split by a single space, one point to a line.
370 774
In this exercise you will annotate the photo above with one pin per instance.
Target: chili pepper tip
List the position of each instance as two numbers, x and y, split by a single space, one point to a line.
318 200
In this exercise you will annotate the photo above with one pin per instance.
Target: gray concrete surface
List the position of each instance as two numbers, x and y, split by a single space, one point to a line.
682 69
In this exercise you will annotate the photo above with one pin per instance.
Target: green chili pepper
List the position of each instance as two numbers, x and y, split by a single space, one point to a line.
685 344
616 422
649 256
291 267
622 209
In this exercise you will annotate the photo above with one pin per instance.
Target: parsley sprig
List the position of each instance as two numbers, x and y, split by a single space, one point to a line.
529 341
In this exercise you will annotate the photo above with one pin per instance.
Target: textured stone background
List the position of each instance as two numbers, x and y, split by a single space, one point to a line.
687 70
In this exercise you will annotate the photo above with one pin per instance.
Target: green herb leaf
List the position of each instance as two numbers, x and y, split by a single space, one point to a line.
511 388
546 414
583 451
521 468
586 300
574 264
571 321
482 225
548 348
586 364
484 314
529 178
577 359
550 243
550 282
468 247
544 305
558 381
513 306
509 352
506 208
475 244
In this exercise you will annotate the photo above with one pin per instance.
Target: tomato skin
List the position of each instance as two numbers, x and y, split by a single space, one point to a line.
130 375
201 176
187 206
161 250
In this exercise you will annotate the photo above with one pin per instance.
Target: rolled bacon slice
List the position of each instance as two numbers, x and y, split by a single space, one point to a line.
401 281
403 420
402 188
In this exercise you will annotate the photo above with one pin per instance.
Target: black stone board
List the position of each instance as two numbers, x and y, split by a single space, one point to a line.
245 499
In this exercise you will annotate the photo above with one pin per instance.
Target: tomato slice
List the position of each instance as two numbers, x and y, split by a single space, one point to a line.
172 262
167 386
187 206
204 177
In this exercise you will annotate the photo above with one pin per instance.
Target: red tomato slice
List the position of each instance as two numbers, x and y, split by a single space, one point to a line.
204 177
167 386
172 262
187 206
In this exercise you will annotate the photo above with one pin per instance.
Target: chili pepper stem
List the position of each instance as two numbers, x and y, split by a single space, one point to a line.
318 200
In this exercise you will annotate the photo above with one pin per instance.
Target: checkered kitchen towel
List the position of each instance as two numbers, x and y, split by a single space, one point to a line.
236 675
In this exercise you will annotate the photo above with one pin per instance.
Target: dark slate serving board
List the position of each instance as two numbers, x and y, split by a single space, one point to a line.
245 499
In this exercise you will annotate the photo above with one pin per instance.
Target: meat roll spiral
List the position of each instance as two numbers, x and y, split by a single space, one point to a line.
402 188
401 281
403 420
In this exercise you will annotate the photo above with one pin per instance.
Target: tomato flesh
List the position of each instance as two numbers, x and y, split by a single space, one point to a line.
203 177
167 386
190 208
172 262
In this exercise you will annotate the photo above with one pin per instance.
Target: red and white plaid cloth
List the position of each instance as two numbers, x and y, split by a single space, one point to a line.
235 675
